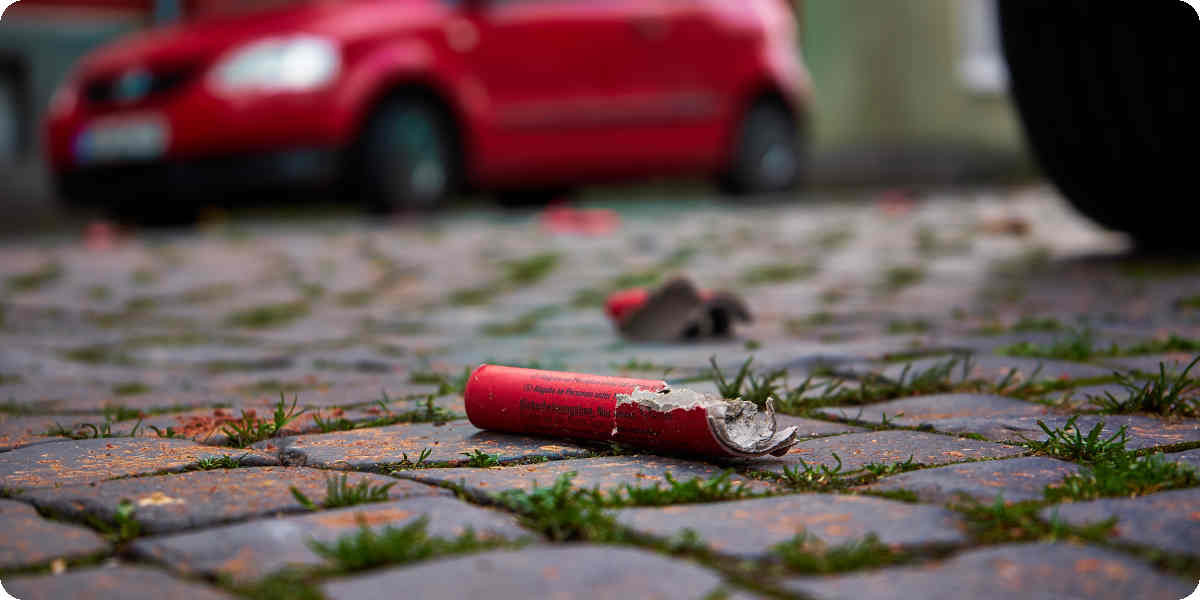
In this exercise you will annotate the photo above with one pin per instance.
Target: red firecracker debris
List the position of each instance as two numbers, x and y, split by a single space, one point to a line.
677 311
637 412
582 221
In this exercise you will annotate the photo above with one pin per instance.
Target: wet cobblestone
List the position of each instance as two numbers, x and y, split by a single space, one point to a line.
179 336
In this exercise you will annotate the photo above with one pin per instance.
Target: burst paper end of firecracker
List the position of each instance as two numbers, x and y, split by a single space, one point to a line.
644 413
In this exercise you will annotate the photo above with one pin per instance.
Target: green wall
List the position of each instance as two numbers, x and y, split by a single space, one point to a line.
885 73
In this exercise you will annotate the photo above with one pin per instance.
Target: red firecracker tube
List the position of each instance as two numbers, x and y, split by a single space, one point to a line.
638 412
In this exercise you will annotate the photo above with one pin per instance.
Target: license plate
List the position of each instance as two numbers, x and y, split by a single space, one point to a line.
123 139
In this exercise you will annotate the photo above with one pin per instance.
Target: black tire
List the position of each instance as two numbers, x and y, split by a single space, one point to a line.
767 154
408 158
1109 93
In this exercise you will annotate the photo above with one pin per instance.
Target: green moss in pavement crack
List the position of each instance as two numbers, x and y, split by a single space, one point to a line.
902 327
524 324
530 270
36 279
1081 345
809 555
340 493
448 384
123 526
131 388
1124 475
251 429
774 273
562 512
481 460
100 354
223 461
288 584
898 278
1001 522
1070 443
747 384
392 546
1161 395
268 315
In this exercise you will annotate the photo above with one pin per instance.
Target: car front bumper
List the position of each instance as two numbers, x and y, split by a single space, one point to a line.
118 184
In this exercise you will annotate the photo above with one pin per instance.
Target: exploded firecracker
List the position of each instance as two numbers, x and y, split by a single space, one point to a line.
677 311
638 412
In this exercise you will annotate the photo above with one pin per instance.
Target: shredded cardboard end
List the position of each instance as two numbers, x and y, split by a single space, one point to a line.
739 426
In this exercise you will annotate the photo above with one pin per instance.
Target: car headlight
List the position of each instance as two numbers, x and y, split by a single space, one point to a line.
293 64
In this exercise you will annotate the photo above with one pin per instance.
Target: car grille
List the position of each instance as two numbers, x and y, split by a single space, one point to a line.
153 85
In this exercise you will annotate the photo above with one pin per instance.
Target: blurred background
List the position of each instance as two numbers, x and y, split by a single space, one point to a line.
903 93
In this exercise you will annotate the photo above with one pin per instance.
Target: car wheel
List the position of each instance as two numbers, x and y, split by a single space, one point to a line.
766 156
10 121
1107 93
408 157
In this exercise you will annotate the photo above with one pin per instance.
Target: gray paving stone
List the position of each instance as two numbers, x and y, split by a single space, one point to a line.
74 462
323 390
375 448
1142 432
251 550
1014 479
1168 521
884 447
605 473
30 540
1174 363
17 432
1009 572
83 395
576 572
202 498
211 426
750 528
811 428
918 410
1084 398
985 366
121 582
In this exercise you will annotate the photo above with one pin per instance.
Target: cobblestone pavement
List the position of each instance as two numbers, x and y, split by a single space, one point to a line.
933 350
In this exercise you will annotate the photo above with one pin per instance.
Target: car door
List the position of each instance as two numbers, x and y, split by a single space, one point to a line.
575 88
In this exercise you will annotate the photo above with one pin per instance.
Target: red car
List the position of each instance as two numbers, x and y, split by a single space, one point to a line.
405 101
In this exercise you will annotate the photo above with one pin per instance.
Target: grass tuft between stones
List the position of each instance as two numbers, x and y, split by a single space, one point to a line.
807 554
251 429
340 493
1162 395
366 548
1001 522
268 316
563 512
1124 475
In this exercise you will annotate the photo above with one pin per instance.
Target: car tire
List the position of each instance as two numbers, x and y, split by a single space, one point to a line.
1107 93
10 120
767 152
408 158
